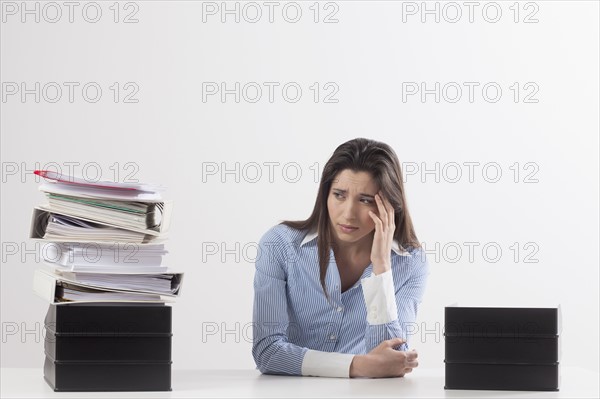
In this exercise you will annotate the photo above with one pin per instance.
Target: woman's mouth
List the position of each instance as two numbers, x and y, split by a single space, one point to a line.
347 228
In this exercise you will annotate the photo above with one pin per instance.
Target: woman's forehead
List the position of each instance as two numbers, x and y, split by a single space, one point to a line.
350 180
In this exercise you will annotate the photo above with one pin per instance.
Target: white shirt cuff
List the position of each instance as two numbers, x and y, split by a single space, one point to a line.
326 364
378 291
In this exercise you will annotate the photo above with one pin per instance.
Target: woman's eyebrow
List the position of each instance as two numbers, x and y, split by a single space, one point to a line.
346 192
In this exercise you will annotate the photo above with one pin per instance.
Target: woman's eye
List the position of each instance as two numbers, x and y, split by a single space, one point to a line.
337 195
367 201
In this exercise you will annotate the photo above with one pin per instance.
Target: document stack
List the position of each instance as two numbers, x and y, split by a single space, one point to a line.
502 348
108 326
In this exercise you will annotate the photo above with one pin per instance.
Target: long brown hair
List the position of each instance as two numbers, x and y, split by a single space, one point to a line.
359 155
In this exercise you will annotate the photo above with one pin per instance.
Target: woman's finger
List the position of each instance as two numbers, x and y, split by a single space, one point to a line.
376 220
393 342
383 215
390 211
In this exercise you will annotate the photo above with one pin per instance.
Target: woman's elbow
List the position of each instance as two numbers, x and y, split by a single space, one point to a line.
261 358
264 360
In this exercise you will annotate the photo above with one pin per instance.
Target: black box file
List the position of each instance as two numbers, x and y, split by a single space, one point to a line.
525 349
107 376
502 348
515 377
88 318
108 347
501 321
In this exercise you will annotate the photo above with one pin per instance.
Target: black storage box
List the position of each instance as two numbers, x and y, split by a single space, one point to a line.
98 318
108 347
502 348
515 377
501 321
107 376
527 349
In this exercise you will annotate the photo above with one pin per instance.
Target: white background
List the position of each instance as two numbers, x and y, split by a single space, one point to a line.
170 136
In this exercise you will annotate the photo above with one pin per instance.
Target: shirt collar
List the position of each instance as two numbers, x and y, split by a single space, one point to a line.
396 247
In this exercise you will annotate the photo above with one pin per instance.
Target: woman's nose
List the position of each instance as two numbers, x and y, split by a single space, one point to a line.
349 210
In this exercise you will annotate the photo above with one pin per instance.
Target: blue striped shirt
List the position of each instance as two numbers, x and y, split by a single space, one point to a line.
293 318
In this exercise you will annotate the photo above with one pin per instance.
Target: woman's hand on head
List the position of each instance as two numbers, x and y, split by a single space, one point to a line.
384 361
384 235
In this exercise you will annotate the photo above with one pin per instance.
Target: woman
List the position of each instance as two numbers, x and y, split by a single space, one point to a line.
333 294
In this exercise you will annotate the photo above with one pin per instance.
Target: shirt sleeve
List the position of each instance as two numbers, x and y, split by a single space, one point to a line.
392 308
326 364
378 291
272 352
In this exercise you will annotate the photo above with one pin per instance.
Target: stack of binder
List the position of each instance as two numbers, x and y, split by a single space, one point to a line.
502 348
108 326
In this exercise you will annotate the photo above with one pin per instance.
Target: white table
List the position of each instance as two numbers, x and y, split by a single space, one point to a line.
29 382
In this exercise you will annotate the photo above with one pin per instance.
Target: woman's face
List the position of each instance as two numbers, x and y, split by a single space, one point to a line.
350 199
